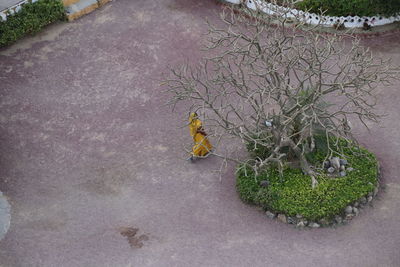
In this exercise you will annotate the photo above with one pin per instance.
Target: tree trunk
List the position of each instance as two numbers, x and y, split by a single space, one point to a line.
305 166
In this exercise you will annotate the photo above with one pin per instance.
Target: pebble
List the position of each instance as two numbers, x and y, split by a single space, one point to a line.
291 220
363 200
338 219
282 218
349 217
342 168
376 190
314 225
327 164
331 170
356 204
342 174
349 210
343 162
356 211
335 163
270 215
369 198
301 224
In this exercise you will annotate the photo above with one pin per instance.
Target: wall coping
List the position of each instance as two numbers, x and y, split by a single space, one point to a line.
13 9
315 19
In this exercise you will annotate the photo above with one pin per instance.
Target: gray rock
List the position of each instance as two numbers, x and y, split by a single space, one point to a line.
270 215
338 219
264 183
314 225
327 164
349 210
301 224
342 174
376 190
369 198
291 220
335 163
349 217
356 211
363 200
331 170
342 168
305 222
370 194
282 218
350 169
343 162
356 204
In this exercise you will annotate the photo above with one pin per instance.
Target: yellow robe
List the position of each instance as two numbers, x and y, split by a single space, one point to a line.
201 144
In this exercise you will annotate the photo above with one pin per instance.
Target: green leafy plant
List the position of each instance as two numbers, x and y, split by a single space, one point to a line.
351 7
30 19
292 195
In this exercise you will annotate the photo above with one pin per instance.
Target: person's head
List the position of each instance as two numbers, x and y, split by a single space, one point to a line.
193 116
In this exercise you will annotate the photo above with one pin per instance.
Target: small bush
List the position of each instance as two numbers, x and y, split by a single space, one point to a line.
351 7
292 194
30 19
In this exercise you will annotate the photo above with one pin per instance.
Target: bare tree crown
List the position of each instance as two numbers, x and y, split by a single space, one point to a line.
278 86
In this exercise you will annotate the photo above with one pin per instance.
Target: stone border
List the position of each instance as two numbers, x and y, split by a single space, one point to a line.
314 19
340 219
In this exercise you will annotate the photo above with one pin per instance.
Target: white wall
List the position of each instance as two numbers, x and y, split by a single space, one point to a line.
314 19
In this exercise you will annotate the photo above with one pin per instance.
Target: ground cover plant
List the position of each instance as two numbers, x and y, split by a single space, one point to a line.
338 8
291 194
278 90
30 19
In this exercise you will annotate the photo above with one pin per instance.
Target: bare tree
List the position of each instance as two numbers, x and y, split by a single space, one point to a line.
276 85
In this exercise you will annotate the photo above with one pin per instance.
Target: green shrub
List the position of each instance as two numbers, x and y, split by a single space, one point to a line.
351 7
30 19
292 194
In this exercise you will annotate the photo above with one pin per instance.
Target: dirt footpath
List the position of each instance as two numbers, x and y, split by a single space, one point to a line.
93 165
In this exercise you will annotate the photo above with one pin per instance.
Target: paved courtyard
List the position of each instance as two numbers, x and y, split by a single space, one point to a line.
90 151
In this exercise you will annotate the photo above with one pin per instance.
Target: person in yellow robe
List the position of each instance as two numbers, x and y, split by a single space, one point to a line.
201 146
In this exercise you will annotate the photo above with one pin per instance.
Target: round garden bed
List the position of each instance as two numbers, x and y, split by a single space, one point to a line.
336 200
